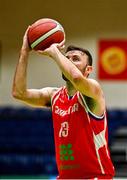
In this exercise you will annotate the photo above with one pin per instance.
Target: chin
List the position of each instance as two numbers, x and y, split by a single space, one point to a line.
64 78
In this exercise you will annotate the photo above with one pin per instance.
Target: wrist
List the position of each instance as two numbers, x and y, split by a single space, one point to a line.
54 53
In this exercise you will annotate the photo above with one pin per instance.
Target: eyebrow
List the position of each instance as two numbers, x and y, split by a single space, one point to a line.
74 51
74 55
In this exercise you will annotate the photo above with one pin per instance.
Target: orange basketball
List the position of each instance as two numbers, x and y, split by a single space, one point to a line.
45 32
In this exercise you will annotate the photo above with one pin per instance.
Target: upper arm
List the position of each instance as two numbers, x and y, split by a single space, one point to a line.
89 87
39 97
92 89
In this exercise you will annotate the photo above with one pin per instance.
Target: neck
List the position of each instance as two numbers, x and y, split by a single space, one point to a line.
70 88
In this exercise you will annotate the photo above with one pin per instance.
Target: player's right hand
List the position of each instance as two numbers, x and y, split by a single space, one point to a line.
53 49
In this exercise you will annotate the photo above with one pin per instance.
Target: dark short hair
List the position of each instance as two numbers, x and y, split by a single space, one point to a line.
85 51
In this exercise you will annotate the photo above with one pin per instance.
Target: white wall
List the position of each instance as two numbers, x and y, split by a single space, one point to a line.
85 23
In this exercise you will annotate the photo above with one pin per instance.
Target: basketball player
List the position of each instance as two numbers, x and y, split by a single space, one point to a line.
78 109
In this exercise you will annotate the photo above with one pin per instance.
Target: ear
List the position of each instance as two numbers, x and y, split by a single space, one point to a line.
88 70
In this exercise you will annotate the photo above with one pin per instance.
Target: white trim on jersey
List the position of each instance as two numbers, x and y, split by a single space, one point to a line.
96 116
81 101
53 99
99 139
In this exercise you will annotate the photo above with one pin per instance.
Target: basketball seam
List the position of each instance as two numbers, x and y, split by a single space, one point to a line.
46 35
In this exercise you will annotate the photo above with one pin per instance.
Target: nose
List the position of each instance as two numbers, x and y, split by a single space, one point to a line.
71 59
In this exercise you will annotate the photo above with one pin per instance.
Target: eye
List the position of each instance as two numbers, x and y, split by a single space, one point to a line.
75 58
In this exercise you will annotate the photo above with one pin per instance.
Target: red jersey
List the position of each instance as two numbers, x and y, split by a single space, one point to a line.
81 139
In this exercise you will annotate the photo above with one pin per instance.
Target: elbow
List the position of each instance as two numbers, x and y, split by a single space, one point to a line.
17 95
76 79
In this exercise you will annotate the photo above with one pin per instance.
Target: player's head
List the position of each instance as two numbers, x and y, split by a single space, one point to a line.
72 49
81 58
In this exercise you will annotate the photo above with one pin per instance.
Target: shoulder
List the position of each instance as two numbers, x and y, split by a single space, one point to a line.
50 90
98 91
56 93
95 83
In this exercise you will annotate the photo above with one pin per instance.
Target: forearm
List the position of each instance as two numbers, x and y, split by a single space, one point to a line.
19 83
67 67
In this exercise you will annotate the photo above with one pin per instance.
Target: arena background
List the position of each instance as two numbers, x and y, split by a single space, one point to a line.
85 23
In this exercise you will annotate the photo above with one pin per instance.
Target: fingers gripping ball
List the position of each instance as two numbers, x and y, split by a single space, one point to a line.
44 32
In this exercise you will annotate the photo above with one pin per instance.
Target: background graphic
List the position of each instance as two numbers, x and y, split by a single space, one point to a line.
112 62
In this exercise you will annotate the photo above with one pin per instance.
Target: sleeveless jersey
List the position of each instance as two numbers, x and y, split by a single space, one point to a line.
81 139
